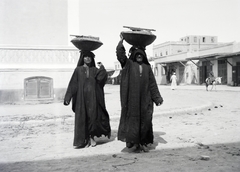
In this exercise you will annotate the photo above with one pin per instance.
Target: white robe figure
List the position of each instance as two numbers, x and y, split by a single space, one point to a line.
173 79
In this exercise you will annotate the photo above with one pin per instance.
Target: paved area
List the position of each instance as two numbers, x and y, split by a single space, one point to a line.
175 101
43 133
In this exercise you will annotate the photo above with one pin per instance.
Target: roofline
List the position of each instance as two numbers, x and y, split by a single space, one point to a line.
227 55
205 56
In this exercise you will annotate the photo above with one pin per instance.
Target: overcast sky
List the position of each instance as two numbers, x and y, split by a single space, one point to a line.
172 19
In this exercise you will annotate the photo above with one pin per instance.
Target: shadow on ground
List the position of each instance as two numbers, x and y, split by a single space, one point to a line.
214 158
157 139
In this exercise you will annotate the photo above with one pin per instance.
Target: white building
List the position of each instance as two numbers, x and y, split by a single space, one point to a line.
185 44
193 57
36 56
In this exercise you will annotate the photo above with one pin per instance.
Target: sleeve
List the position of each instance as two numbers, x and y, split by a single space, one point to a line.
121 53
101 76
72 87
155 94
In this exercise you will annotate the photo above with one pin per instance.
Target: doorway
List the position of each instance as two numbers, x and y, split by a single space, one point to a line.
222 70
205 69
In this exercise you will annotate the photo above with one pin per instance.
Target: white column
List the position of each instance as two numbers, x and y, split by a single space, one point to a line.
73 18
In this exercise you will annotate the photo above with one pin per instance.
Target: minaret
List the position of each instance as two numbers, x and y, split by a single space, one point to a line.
73 19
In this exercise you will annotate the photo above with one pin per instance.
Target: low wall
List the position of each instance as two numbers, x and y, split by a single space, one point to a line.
16 96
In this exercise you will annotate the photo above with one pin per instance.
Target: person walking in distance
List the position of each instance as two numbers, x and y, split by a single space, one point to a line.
173 80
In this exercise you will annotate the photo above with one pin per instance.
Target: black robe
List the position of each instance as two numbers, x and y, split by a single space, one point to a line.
137 95
88 103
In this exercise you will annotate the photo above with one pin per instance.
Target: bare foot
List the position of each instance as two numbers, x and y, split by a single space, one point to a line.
137 148
93 142
145 148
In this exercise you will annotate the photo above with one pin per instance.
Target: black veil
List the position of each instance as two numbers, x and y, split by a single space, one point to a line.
84 54
134 51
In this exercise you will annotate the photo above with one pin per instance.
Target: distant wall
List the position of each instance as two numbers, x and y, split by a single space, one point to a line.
15 96
12 84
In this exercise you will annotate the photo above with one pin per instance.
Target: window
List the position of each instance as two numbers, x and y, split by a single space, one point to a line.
195 39
203 39
212 39
38 87
31 88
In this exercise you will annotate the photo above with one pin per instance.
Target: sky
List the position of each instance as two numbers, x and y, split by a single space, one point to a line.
172 19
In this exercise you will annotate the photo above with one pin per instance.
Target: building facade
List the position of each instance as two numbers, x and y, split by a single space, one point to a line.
37 58
190 43
39 74
193 61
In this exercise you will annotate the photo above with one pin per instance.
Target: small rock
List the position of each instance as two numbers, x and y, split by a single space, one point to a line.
216 107
202 146
195 113
206 147
209 109
204 157
170 117
114 155
199 144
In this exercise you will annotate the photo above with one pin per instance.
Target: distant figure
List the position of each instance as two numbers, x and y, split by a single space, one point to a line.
86 91
212 80
211 77
173 80
138 91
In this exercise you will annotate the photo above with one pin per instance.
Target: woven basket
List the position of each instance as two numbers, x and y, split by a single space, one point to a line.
138 38
87 43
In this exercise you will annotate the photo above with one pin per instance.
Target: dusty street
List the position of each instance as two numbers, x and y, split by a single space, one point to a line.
194 130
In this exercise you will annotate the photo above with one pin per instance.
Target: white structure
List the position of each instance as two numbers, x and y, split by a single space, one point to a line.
37 58
186 44
115 77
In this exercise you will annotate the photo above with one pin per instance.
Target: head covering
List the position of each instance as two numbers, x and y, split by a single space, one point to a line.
88 54
135 51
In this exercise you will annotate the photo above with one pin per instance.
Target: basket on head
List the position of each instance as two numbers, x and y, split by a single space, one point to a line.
138 37
86 43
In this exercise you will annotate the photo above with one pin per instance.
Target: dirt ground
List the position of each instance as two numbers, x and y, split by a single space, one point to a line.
194 130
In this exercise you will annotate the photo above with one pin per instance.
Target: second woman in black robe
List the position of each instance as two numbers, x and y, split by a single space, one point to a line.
138 91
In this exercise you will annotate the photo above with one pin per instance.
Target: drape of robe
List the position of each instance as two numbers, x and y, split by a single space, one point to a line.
88 103
137 96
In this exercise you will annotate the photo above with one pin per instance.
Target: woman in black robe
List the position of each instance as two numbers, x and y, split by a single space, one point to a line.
138 91
88 103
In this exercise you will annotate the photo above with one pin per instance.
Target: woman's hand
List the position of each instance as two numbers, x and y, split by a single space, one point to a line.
99 64
159 104
121 37
66 103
